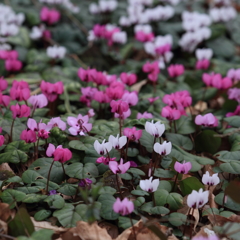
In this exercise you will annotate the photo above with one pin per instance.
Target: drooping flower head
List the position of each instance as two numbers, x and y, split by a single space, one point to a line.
197 199
123 207
163 149
132 133
149 185
119 167
210 180
182 168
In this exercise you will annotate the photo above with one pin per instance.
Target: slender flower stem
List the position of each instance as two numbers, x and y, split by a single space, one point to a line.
127 149
175 127
119 189
154 202
185 226
154 141
120 126
175 181
11 132
64 171
36 151
49 176
134 234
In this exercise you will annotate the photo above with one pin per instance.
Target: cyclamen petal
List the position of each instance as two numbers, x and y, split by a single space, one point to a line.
149 185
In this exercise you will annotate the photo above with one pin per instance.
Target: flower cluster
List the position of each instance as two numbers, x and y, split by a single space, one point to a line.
217 81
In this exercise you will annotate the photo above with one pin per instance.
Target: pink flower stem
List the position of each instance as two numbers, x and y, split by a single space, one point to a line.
119 189
204 92
134 233
49 176
11 132
175 181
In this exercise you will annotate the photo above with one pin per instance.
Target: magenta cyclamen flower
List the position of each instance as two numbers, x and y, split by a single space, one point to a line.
115 90
182 168
105 160
20 91
49 16
119 168
119 107
4 100
208 120
128 78
59 154
152 69
132 133
175 70
20 111
41 128
197 199
29 136
85 183
170 113
123 207
3 84
2 139
51 90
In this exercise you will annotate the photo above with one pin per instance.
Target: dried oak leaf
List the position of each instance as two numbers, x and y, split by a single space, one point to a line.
111 229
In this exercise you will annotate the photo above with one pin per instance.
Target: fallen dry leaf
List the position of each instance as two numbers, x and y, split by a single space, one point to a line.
91 232
218 220
5 212
203 231
46 225
143 233
111 229
70 234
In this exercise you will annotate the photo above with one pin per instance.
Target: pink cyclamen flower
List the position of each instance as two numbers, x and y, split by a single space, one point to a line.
132 133
152 69
152 100
124 115
20 91
49 16
197 199
170 113
123 207
131 98
202 64
4 100
105 160
119 168
3 84
13 65
115 90
41 128
2 139
208 120
38 101
235 113
79 125
175 70
210 237
145 115
51 90
210 180
234 74
20 111
59 154
57 122
182 168
29 136
119 107
128 78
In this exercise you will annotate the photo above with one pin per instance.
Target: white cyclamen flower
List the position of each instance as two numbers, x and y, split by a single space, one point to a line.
204 53
56 52
117 142
102 148
149 185
210 180
155 129
197 199
163 149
